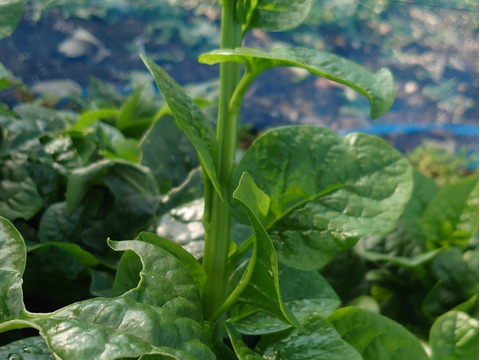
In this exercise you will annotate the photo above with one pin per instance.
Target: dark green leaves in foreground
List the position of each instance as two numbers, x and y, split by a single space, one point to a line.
10 15
325 191
189 118
165 305
378 87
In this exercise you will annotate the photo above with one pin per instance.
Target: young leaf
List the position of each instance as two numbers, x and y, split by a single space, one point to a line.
13 258
454 336
320 340
451 218
10 15
378 87
303 292
375 336
127 112
272 15
260 282
189 118
326 191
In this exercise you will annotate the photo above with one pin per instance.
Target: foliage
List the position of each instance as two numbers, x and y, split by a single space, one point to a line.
70 181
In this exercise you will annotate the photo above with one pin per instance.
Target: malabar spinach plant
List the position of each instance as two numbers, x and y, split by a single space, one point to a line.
307 194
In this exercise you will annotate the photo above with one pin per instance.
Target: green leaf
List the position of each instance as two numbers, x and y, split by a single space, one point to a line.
242 351
12 259
19 197
454 336
126 149
168 153
83 256
10 15
189 118
378 87
326 191
451 218
191 264
273 15
260 283
126 114
304 292
408 262
319 341
32 348
375 336
122 177
88 118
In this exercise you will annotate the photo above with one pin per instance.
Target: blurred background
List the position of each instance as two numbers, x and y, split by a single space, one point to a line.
71 49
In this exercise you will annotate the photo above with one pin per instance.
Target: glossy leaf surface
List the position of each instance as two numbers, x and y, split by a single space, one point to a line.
12 259
10 15
375 336
32 348
304 292
272 15
165 305
320 341
451 218
260 281
378 87
454 336
189 118
326 191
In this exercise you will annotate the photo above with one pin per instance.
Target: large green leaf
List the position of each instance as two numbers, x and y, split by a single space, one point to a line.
326 191
304 292
375 336
451 218
189 118
454 336
378 87
12 259
272 15
320 340
10 15
260 283
164 305
19 197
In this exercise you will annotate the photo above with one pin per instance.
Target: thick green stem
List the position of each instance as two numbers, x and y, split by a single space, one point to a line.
217 226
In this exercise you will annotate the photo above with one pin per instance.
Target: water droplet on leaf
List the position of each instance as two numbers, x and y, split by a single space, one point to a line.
15 357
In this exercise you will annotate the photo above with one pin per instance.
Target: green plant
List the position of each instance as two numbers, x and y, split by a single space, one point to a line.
307 193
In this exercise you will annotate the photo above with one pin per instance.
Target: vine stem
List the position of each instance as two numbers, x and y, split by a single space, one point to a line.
217 223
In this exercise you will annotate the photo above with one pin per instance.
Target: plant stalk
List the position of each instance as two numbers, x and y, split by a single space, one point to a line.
217 226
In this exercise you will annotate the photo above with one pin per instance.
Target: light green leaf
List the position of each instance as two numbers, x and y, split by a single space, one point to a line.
454 336
375 336
126 114
19 197
260 284
10 15
304 292
319 341
273 15
451 218
408 262
326 191
378 87
12 265
189 118
89 118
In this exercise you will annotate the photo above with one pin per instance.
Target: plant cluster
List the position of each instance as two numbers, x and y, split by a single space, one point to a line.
281 224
